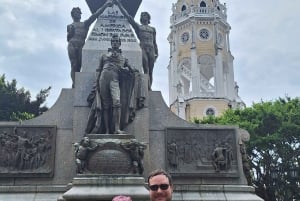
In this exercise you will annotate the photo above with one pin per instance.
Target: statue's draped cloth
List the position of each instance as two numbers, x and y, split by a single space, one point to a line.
132 96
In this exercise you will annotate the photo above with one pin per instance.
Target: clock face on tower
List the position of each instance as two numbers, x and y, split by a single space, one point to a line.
185 37
204 34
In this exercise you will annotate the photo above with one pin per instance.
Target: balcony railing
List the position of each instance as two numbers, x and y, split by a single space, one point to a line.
196 11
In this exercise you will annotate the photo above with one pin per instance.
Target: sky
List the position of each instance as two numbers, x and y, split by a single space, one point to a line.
263 41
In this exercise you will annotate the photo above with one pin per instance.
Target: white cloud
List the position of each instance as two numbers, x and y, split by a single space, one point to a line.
2 58
263 40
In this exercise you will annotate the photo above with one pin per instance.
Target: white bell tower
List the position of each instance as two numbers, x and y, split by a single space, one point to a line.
201 77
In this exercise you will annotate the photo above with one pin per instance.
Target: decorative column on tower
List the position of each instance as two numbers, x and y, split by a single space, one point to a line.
201 59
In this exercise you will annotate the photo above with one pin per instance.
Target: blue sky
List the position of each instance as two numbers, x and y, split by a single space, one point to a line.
263 40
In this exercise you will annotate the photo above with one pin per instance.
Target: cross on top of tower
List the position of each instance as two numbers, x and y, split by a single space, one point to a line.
130 5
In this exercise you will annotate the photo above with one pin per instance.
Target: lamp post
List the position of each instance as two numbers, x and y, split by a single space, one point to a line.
274 174
291 176
274 177
294 175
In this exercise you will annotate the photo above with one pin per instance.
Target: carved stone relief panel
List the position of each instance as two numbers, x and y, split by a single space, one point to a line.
205 152
27 151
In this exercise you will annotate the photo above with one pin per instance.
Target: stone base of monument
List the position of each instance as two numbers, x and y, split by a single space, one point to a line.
105 187
31 192
114 154
215 193
113 167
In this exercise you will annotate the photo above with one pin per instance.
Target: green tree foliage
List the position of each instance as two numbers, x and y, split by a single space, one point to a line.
16 104
274 147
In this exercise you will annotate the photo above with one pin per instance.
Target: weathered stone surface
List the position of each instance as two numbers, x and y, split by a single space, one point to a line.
60 114
110 162
215 193
115 154
163 120
27 151
190 152
109 23
31 193
105 187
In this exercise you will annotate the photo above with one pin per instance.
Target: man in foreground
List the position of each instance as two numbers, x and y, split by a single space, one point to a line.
160 186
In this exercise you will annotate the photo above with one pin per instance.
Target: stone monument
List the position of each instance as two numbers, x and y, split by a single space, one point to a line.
88 149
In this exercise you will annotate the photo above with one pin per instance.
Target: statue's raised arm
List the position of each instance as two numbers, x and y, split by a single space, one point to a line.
147 36
129 17
100 10
76 35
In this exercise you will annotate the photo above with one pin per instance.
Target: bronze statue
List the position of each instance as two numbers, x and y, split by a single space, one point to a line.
82 150
222 157
23 151
76 35
173 155
111 96
147 36
136 153
246 164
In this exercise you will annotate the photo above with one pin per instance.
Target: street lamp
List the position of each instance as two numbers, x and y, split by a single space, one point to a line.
291 176
293 172
274 174
294 176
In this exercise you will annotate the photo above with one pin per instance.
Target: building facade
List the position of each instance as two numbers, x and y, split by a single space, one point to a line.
201 75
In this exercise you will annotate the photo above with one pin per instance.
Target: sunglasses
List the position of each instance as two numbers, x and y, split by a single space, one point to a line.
161 186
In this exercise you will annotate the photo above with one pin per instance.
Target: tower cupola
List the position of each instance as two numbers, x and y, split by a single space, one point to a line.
201 64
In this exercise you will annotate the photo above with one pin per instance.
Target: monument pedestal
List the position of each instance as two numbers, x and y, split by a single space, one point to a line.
105 187
215 193
113 165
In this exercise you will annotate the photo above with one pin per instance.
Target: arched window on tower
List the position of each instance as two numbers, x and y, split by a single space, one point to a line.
185 77
183 8
202 4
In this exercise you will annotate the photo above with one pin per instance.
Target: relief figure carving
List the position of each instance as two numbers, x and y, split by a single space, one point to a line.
173 155
82 150
23 151
222 157
136 153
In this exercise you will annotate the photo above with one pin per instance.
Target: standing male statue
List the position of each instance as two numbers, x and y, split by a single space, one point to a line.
147 36
106 98
76 35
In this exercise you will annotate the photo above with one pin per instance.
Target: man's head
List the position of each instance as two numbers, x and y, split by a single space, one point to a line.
76 13
121 198
145 18
160 186
115 41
